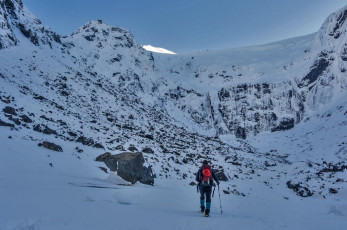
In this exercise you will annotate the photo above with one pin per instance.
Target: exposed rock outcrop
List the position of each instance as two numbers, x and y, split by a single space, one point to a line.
299 189
10 110
129 166
3 123
220 175
51 146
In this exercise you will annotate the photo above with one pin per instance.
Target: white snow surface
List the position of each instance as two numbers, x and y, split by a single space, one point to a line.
75 194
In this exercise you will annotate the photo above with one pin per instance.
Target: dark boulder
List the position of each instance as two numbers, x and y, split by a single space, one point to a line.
102 157
129 166
223 94
132 149
49 131
147 150
44 129
235 192
72 134
2 123
332 190
88 141
299 189
15 120
9 110
120 147
51 146
26 119
150 137
285 124
99 146
64 93
185 161
85 141
37 128
220 175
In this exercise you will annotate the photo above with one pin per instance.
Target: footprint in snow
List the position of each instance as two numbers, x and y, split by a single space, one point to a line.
335 211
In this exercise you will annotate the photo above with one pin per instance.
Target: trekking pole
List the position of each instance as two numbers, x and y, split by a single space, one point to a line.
214 188
220 202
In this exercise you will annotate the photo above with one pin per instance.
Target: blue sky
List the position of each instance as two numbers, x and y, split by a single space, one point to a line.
191 25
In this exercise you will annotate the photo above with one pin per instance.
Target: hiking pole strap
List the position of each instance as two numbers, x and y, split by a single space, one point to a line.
213 191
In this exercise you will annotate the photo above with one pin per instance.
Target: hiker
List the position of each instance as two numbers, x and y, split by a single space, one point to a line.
205 178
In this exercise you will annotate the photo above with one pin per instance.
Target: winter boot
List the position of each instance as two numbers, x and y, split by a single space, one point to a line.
202 205
207 212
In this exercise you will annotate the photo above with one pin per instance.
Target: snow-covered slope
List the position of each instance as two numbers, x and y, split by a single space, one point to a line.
16 22
250 90
74 194
270 118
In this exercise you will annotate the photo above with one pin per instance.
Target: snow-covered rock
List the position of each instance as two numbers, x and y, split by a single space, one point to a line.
129 166
17 22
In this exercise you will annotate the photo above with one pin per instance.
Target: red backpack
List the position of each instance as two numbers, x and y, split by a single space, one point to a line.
205 176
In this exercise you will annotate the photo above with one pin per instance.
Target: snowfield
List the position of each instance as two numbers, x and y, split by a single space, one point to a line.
75 194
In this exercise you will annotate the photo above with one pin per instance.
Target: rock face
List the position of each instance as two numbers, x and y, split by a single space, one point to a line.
245 109
52 146
14 16
7 37
104 156
247 99
249 109
300 190
221 175
3 123
129 166
9 110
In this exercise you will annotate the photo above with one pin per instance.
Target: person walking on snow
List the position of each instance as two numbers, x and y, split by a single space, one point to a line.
205 178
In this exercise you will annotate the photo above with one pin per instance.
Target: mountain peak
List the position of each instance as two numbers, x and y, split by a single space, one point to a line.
94 23
97 31
8 8
99 26
16 19
11 6
334 29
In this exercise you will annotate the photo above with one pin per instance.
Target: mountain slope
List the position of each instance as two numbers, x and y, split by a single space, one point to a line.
250 90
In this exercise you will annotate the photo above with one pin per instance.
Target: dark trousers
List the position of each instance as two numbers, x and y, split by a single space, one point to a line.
206 191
